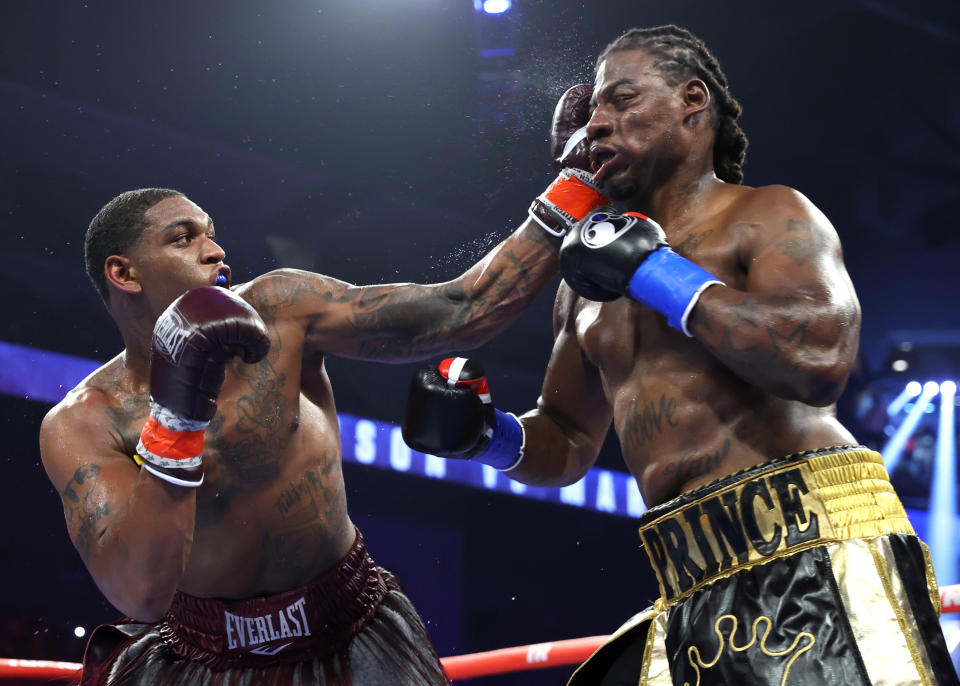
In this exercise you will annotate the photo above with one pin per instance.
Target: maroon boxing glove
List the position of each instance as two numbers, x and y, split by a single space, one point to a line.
572 195
568 134
193 340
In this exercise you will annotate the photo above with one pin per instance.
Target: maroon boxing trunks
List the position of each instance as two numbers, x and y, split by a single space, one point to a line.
350 625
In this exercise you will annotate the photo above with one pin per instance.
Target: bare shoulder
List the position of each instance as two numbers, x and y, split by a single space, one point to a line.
780 216
80 424
780 207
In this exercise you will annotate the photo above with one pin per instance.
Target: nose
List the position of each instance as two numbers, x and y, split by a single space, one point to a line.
213 253
599 125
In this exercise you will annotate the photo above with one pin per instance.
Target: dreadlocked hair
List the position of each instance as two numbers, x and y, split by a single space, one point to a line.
680 55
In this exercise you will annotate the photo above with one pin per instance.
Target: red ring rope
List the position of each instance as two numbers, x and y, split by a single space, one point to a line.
503 661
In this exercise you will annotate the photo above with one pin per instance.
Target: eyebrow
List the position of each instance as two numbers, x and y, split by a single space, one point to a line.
606 90
184 221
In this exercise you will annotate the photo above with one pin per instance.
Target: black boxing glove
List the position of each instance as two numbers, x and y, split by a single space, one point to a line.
610 254
568 130
192 342
449 413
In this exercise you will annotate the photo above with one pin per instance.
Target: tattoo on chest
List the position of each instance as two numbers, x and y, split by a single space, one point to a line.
82 511
691 242
648 420
128 420
691 468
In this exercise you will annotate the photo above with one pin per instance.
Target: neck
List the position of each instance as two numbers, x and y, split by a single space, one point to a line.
678 185
136 329
682 194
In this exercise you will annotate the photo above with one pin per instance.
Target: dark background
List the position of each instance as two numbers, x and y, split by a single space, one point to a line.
371 141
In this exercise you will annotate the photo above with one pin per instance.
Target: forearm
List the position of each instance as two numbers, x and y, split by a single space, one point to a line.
403 322
553 455
499 287
795 347
138 560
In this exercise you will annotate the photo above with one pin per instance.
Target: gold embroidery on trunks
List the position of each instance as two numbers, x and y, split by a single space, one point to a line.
881 565
696 661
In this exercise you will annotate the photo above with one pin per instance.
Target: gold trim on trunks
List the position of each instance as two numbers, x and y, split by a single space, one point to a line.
794 650
776 511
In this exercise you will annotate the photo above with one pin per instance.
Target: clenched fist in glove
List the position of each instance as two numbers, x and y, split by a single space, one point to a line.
449 413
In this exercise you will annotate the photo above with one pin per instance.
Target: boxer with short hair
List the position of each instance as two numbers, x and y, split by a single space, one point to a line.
200 469
714 325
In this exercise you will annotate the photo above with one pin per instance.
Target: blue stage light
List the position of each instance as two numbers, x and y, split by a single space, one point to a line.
894 447
943 494
911 390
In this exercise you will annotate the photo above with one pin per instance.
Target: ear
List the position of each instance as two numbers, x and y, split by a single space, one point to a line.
121 275
696 99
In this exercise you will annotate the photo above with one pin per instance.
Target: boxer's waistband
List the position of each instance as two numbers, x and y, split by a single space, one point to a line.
768 511
314 621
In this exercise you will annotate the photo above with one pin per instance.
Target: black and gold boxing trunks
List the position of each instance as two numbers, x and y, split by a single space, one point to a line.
800 571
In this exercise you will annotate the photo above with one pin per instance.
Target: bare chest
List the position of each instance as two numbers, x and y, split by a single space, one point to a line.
618 336
249 444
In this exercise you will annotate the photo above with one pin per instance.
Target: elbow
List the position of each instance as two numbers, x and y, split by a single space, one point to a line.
822 392
822 387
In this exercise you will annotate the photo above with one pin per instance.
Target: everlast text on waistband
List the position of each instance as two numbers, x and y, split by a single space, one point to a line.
246 632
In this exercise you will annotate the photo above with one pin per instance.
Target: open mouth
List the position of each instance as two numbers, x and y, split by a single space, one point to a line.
601 162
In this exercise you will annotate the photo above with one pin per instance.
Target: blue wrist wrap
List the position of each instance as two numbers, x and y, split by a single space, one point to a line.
671 285
503 450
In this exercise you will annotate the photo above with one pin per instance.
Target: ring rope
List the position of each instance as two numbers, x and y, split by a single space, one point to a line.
503 661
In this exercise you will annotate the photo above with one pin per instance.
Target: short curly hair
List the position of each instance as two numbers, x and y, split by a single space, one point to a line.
117 228
680 55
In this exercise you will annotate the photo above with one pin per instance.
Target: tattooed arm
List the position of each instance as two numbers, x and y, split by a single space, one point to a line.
132 530
794 331
564 434
406 321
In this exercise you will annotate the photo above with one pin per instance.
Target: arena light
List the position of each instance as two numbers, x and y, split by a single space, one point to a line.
492 6
79 632
40 375
911 390
943 496
893 450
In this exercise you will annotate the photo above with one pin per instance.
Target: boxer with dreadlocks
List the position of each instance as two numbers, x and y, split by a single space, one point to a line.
714 325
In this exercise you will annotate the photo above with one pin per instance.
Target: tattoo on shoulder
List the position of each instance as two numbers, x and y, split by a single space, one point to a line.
83 512
798 225
800 250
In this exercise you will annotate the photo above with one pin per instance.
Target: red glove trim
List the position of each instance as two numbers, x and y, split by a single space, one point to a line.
170 444
477 385
573 196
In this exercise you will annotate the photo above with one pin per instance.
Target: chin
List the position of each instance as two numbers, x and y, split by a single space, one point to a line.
620 189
